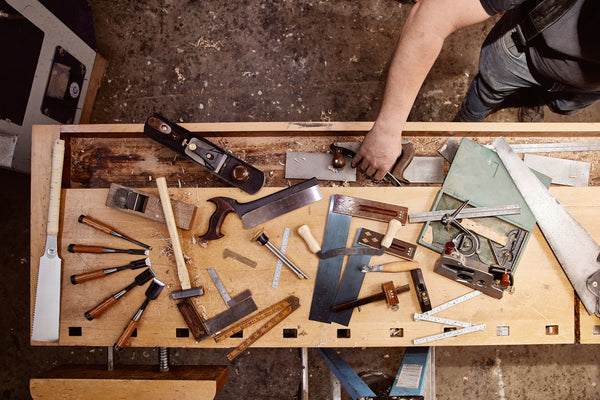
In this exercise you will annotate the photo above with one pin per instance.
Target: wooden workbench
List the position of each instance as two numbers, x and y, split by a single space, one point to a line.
542 309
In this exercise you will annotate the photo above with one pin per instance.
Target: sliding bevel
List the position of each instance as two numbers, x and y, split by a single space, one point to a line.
213 158
369 209
148 205
398 248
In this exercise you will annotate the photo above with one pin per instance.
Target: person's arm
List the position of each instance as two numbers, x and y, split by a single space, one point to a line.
428 25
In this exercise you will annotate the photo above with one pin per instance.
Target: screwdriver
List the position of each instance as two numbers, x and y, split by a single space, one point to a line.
101 226
101 273
105 304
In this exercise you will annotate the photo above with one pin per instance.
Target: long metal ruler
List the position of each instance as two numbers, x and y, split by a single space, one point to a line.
552 147
474 212
575 249
279 265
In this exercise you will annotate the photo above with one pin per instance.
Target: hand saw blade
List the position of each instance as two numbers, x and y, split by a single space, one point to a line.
369 209
46 312
575 249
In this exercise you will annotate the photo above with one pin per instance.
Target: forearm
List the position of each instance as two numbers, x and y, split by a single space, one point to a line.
430 22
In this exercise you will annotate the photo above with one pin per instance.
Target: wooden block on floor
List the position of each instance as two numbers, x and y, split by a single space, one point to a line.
129 382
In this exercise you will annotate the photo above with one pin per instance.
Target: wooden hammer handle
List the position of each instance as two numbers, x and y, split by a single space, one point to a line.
165 201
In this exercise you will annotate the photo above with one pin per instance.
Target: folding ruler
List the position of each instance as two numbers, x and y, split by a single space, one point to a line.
467 327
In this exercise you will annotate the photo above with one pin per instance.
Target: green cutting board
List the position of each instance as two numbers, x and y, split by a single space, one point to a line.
478 175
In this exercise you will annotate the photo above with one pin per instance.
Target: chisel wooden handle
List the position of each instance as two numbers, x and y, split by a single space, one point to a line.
165 201
120 344
87 276
100 308
82 248
311 242
94 223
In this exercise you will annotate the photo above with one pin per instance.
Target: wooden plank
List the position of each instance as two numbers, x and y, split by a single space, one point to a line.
96 76
528 312
129 382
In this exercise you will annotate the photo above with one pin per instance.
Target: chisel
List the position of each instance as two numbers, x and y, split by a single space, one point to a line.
101 273
102 227
105 304
151 294
83 248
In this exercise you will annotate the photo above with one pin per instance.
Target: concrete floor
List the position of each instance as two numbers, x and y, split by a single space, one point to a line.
278 60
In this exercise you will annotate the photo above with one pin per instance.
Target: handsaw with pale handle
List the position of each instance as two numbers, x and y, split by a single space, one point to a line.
46 312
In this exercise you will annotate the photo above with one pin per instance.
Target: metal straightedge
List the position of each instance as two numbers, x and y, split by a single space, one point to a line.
467 327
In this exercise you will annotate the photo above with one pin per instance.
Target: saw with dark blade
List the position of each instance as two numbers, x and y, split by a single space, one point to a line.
201 151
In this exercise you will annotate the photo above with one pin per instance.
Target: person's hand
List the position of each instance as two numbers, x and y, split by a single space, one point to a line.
379 151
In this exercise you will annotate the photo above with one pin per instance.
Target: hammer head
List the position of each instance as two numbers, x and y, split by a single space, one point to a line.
185 293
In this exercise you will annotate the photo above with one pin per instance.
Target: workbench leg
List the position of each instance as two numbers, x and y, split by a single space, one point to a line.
416 367
304 352
356 388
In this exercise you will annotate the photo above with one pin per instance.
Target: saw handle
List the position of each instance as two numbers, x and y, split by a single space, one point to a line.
224 207
392 228
311 242
87 276
165 201
58 156
408 153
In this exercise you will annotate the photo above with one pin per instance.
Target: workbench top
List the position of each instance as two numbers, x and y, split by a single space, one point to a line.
542 309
